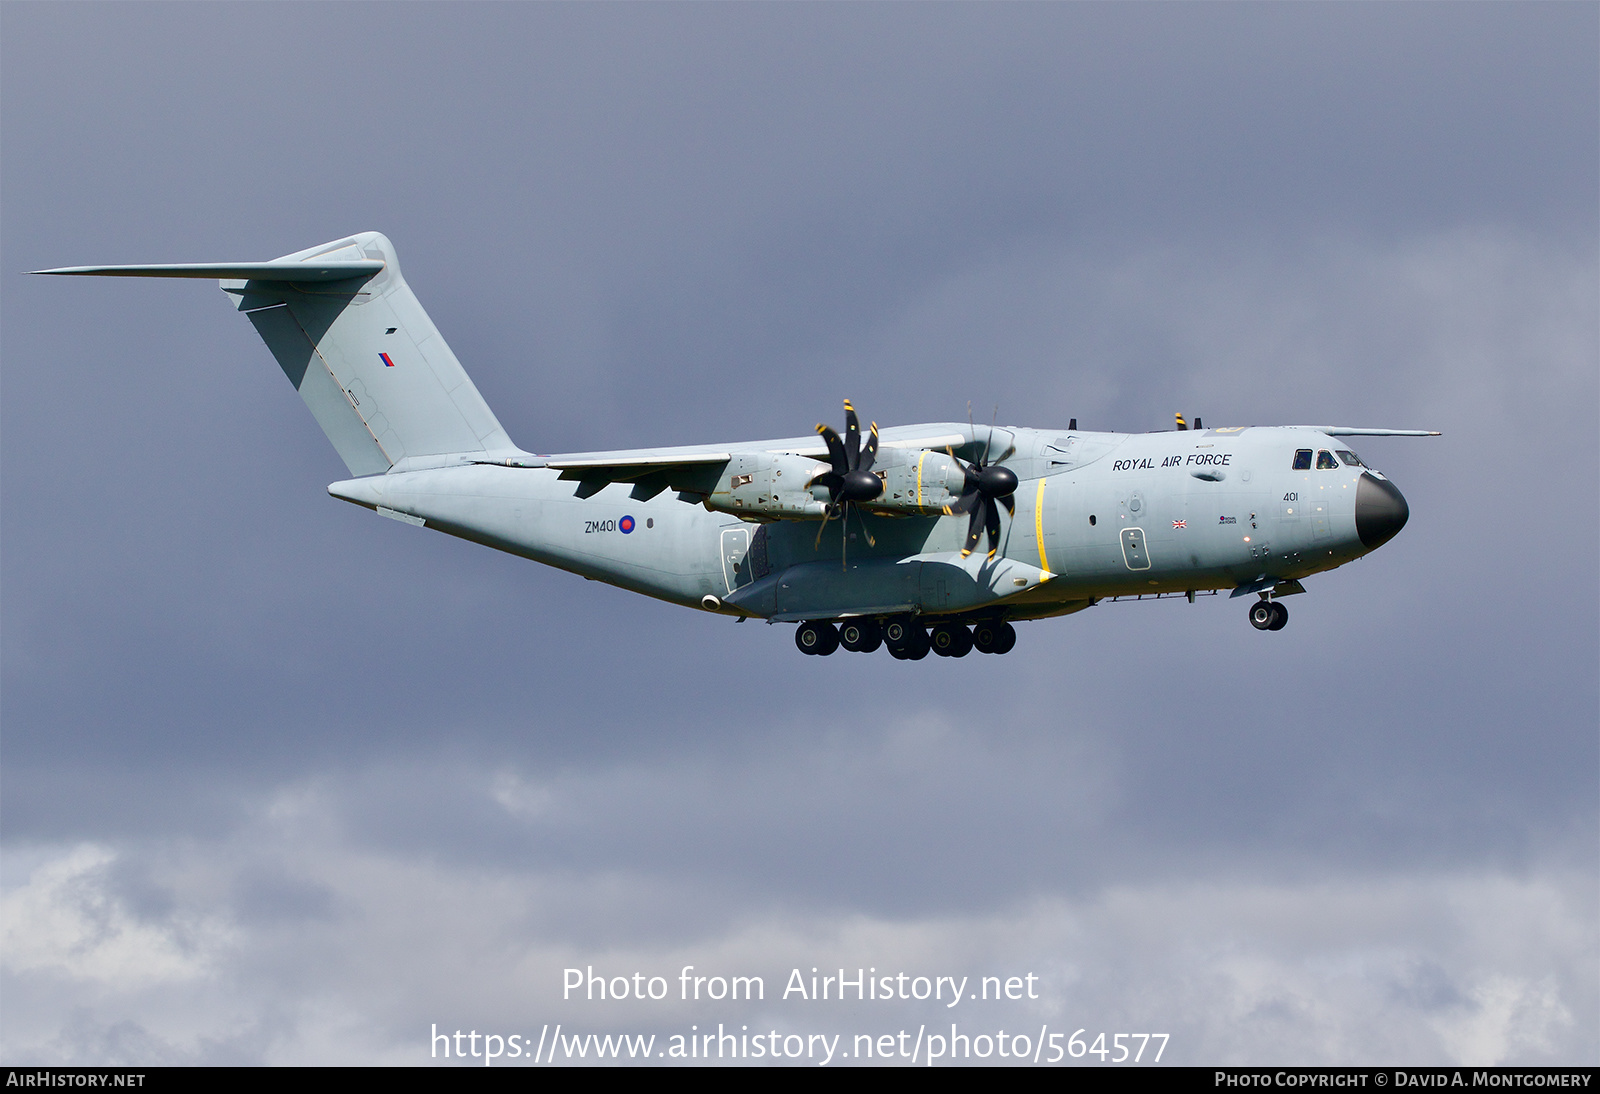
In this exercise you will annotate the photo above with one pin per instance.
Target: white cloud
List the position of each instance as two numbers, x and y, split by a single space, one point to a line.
1411 968
68 921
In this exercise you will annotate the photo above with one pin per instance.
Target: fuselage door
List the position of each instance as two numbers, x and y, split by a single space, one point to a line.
1316 509
735 564
1133 549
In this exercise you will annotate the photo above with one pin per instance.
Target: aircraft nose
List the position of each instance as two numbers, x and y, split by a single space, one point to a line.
1381 511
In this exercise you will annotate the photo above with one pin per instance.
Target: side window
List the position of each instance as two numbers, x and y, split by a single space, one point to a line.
1350 459
1326 462
1302 460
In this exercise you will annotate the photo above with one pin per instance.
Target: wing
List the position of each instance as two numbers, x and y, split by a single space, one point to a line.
1359 431
698 469
691 471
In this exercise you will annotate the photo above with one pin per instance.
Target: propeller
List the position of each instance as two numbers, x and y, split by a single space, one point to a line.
985 488
849 477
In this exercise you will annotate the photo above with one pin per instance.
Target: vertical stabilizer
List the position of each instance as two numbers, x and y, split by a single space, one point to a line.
368 361
355 343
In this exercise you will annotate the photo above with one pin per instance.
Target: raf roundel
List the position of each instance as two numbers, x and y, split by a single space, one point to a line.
625 525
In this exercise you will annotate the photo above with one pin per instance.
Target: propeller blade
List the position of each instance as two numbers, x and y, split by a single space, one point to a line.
865 531
835 449
963 504
1011 506
817 546
975 530
871 452
852 435
992 524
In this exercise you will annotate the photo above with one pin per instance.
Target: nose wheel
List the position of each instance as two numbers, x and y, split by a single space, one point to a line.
1268 615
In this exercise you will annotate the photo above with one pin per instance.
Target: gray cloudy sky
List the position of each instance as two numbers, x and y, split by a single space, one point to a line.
284 782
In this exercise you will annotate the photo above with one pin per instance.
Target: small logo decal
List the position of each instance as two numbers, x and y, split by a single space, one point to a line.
1227 520
1180 524
386 362
625 525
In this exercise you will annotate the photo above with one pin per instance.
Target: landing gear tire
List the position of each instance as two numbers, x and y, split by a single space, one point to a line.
1280 616
1262 615
951 640
860 635
819 639
905 638
993 637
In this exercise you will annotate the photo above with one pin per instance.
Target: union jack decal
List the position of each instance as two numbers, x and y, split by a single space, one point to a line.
1180 524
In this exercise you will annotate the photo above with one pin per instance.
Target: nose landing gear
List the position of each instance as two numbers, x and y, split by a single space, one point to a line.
1268 615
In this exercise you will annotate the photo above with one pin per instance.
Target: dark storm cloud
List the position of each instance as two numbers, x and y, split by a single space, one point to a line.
669 225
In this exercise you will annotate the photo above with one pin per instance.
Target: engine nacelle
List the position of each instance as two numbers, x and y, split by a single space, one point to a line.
918 483
769 486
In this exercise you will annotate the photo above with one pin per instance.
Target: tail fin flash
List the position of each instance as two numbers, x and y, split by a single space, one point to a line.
352 338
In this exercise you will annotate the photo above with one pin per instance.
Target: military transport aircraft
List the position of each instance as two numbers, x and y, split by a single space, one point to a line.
925 537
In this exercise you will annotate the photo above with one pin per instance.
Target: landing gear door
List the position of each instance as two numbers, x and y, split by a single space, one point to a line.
736 569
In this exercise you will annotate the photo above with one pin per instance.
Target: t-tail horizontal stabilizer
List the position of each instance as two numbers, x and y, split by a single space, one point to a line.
356 344
309 272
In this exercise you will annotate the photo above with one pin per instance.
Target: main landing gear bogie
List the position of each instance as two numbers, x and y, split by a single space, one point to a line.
950 640
860 635
904 638
1268 615
817 638
993 637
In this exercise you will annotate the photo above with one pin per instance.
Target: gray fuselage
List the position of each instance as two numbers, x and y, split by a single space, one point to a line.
1097 515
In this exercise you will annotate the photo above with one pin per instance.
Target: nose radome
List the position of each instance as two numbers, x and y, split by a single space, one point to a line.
1381 511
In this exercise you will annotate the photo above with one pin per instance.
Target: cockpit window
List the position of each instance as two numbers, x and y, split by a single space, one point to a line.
1302 460
1325 461
1350 459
